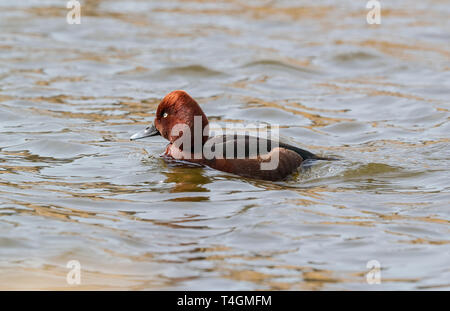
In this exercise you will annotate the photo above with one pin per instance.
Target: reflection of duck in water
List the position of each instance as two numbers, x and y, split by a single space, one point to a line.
179 115
187 179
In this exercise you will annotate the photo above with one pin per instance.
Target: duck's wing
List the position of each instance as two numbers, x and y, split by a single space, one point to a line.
273 164
251 146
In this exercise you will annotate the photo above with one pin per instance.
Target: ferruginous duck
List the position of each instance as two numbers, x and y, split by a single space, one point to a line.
181 121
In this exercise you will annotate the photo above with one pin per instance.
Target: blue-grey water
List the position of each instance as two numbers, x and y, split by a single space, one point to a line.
73 187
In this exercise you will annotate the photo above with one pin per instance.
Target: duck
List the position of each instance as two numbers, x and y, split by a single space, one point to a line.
181 121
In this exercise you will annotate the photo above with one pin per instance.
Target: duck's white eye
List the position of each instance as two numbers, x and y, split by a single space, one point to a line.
165 115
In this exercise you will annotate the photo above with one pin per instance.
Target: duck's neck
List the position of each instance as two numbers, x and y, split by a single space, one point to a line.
195 147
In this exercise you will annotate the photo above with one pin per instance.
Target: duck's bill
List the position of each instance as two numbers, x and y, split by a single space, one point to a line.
148 132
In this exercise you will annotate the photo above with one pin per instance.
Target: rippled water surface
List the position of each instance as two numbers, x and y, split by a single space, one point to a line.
73 187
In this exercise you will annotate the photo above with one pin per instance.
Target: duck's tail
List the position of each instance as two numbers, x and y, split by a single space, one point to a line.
306 155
